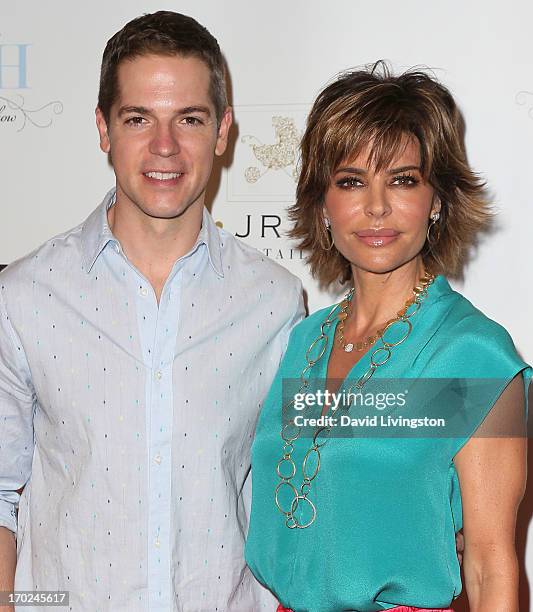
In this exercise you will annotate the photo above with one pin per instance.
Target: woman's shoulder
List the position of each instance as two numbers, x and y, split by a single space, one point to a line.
466 320
468 337
304 334
311 324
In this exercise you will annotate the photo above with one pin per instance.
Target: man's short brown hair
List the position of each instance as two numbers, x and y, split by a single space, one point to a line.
161 33
373 107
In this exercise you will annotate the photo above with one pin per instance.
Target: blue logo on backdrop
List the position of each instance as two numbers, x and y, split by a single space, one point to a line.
14 66
14 78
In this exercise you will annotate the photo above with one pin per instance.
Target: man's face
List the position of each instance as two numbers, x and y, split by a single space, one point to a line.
162 134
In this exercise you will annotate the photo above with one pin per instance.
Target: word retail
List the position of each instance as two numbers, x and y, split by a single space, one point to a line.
283 253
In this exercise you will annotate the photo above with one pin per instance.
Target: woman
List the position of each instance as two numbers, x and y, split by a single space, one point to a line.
387 202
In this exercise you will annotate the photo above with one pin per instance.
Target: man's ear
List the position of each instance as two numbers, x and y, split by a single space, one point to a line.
101 124
223 131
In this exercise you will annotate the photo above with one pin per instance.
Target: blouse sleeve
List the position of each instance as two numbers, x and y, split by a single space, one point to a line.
478 359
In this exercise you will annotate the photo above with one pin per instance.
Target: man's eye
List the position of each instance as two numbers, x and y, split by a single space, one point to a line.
192 121
135 121
348 182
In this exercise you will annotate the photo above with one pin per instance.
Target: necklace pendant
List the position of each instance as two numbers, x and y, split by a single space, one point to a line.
348 347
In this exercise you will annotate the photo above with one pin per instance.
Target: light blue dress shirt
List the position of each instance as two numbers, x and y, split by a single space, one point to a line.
130 423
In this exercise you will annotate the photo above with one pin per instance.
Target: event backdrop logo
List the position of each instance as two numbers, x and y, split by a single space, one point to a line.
279 155
14 79
264 174
525 98
265 163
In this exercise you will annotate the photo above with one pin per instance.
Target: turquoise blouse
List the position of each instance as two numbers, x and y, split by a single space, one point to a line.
387 508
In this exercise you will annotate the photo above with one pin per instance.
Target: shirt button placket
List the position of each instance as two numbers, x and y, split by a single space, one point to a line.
158 413
161 412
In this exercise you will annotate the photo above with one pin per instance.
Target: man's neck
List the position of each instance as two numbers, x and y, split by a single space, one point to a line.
153 245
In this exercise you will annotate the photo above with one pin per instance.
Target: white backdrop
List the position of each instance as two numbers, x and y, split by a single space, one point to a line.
280 54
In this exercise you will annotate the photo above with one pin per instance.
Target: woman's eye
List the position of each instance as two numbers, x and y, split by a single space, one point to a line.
405 180
348 182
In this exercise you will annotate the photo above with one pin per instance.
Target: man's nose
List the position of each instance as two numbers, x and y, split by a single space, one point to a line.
164 141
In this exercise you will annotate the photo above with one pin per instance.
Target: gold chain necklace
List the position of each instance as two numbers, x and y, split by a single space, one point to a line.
348 347
291 432
345 310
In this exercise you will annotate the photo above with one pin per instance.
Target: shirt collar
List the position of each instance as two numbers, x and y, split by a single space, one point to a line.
210 236
96 233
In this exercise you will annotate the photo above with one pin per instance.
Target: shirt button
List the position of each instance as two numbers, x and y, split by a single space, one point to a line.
157 543
159 375
117 248
157 458
143 291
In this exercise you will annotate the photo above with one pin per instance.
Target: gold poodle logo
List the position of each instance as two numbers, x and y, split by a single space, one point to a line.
281 155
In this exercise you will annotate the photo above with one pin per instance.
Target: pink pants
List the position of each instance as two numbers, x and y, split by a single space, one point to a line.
397 609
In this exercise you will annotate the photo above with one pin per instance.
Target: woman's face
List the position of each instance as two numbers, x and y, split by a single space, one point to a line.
379 219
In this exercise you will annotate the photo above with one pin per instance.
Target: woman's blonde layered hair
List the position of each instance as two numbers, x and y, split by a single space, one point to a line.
373 107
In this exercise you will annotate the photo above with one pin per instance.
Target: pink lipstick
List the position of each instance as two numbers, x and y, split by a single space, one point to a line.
378 237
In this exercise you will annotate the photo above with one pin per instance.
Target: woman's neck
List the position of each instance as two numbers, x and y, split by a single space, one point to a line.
378 297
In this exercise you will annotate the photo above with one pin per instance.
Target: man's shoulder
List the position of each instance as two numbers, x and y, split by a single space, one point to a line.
246 261
30 266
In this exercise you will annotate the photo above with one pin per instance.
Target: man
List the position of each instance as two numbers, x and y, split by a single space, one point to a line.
135 352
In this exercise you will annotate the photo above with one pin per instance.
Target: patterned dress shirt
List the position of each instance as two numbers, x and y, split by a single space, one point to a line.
129 423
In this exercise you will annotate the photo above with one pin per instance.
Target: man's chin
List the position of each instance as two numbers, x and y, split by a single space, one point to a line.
167 213
165 210
160 206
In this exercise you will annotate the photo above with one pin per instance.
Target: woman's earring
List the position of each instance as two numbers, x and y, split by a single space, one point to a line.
328 237
434 218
